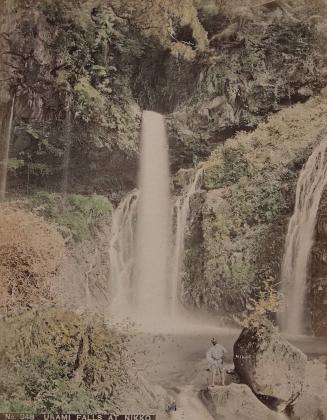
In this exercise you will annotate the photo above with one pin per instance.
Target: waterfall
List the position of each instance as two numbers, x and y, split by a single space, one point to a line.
299 240
181 212
145 271
122 254
140 232
5 132
153 220
68 145
6 101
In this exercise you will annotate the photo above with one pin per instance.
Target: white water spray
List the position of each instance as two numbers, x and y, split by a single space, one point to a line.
68 145
5 131
145 270
181 210
6 101
153 220
300 236
122 255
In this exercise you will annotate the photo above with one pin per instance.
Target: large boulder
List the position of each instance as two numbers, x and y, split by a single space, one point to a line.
272 367
235 401
312 403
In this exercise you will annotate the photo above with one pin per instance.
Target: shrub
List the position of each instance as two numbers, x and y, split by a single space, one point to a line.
80 216
56 361
30 252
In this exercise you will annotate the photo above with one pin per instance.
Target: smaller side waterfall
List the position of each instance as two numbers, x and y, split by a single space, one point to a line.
122 254
300 236
5 133
181 212
7 101
68 145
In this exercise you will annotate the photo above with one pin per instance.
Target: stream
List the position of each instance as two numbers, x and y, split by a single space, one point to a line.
176 361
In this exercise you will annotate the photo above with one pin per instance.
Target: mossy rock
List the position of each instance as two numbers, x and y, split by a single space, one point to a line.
79 215
250 186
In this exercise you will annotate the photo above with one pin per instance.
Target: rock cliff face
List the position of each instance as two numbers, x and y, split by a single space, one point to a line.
236 239
80 69
260 60
73 98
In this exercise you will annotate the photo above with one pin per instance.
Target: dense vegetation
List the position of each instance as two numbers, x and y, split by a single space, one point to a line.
79 68
78 217
250 183
58 362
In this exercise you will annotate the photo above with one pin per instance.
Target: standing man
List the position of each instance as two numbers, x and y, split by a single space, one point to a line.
215 358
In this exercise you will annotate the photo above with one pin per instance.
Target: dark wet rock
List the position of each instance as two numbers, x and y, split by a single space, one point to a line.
269 365
194 249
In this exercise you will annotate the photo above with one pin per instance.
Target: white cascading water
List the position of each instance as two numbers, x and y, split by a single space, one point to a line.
181 211
68 145
299 240
6 101
145 270
153 220
122 254
5 133
140 232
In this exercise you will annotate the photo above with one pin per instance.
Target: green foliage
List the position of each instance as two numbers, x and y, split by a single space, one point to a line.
78 92
81 215
253 178
44 156
55 361
90 102
259 199
89 30
237 229
231 164
230 252
14 164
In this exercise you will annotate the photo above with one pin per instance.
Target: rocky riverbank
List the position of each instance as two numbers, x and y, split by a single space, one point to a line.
277 381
